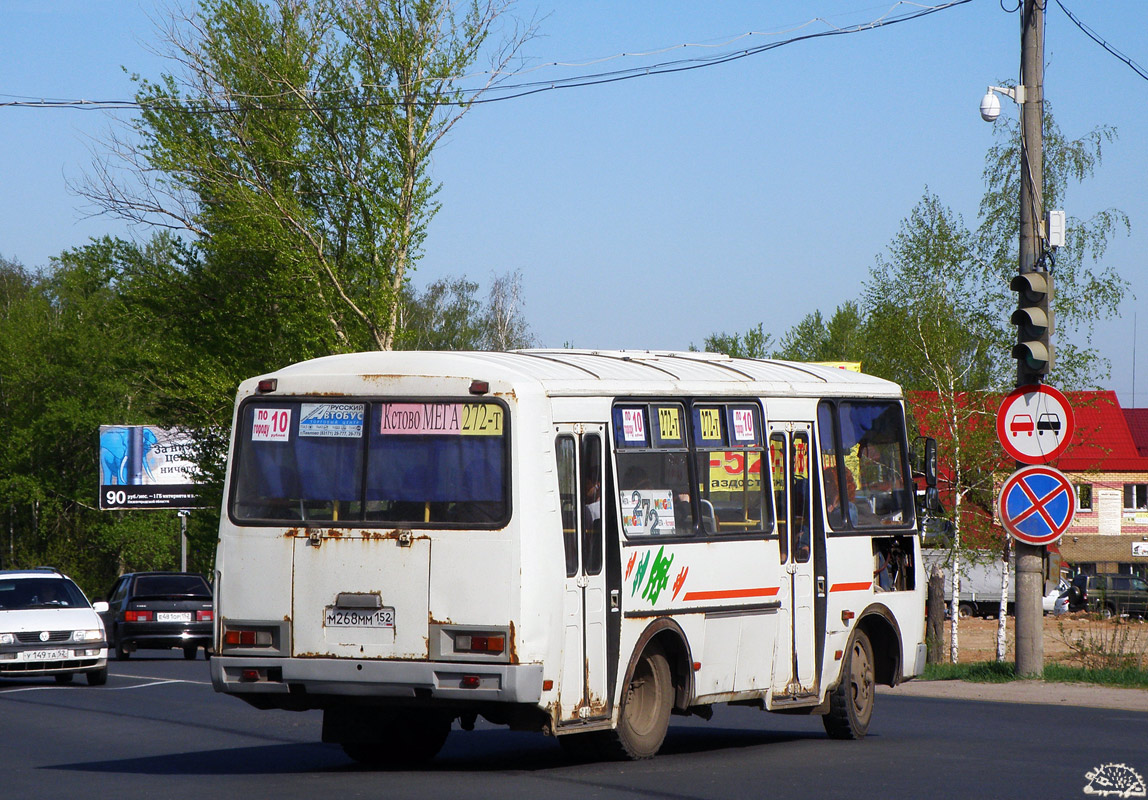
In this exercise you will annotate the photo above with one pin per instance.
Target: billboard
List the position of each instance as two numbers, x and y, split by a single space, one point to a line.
142 466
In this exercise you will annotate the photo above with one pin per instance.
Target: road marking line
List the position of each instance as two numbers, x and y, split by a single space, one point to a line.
64 687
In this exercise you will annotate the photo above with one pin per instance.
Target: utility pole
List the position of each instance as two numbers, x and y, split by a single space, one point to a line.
1030 558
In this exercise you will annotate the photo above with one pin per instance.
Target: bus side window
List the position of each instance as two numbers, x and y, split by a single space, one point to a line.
568 497
780 490
591 465
801 499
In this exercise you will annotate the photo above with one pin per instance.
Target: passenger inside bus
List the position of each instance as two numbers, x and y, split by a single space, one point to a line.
833 498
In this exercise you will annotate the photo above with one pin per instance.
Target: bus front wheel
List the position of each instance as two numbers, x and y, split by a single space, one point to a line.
645 714
851 703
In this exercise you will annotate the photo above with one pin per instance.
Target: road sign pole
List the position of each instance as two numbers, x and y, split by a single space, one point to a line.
1029 558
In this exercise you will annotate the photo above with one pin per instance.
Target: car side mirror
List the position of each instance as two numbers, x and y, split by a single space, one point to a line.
933 501
925 459
931 462
100 606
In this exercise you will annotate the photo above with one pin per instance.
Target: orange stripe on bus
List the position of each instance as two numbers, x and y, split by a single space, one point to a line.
851 587
733 594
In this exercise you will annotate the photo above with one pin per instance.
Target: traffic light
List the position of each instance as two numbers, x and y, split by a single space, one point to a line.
1033 318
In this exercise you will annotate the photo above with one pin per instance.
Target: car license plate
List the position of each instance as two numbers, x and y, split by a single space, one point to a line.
47 655
359 617
172 616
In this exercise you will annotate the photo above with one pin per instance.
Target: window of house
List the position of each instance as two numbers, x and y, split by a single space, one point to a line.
1135 496
1084 497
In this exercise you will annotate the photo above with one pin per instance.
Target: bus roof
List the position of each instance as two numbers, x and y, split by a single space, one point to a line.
593 372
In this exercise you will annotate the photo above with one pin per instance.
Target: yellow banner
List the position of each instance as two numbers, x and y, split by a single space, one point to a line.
734 472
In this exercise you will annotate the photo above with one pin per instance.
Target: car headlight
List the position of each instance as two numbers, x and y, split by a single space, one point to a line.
7 638
87 636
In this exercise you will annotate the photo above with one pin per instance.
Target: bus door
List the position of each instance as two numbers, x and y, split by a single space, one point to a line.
583 691
789 446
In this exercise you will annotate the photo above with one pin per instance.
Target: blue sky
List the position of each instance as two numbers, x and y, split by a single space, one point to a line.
649 213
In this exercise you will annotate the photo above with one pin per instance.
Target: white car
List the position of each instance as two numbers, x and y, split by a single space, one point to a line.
1049 601
48 627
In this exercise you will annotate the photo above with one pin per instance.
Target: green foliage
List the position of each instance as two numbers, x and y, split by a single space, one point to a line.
67 347
754 343
289 146
294 139
974 672
1005 672
814 339
928 325
1087 290
1128 677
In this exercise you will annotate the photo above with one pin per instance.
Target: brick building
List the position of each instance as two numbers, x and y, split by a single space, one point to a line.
1108 462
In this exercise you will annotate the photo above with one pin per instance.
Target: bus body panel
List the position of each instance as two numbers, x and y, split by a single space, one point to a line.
729 608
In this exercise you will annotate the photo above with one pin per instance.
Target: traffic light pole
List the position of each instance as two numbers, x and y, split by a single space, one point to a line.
1030 558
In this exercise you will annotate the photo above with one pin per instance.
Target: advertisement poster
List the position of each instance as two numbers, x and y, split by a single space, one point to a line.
648 511
142 467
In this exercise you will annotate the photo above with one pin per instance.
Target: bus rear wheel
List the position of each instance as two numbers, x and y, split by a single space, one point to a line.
645 714
851 703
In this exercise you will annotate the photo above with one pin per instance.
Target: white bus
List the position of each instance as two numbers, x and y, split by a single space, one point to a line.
580 543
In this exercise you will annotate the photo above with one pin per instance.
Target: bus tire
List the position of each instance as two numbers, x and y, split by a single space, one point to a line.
851 702
400 738
645 714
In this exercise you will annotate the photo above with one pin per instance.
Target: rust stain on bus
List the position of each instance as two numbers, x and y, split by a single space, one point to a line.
374 378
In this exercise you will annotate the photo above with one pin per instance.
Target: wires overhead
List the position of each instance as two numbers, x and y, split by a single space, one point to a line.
1094 36
364 95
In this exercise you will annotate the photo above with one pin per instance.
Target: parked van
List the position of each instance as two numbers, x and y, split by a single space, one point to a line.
1110 595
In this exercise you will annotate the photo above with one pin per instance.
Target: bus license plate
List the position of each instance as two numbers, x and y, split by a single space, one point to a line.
359 617
47 655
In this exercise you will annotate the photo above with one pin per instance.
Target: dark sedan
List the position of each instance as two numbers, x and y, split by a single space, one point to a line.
159 610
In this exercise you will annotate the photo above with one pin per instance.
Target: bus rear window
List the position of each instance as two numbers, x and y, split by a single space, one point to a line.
408 463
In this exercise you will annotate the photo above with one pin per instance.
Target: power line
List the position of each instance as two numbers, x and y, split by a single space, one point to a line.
496 92
1094 36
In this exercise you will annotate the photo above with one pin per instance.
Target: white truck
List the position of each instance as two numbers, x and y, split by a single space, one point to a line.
980 582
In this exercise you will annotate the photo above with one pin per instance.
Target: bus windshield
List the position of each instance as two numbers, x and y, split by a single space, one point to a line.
863 455
364 463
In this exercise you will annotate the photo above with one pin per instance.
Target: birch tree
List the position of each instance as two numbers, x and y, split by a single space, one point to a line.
928 328
298 134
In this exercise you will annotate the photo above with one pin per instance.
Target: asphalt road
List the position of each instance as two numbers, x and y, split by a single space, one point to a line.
158 730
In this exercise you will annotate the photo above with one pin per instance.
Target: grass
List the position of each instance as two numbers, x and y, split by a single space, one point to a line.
974 672
1005 671
1128 678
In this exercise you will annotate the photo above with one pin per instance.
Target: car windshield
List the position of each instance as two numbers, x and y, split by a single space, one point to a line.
17 594
160 585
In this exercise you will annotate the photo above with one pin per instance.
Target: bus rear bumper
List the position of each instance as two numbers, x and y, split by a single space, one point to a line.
497 683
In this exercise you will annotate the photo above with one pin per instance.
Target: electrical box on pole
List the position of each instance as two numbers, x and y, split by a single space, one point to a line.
1033 318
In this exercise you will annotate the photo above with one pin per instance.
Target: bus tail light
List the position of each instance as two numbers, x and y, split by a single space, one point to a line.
479 643
239 637
470 681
